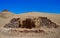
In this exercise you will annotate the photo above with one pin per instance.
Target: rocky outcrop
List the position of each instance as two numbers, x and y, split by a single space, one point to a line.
44 21
14 23
28 23
31 23
5 10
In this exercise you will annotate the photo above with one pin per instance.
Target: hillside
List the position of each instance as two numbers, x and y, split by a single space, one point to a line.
6 17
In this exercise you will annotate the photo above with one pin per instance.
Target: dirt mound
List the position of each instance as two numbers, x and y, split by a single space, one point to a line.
31 23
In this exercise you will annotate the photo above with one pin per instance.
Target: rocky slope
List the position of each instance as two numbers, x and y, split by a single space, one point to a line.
31 23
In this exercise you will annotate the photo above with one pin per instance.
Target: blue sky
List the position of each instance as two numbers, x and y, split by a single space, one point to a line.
21 6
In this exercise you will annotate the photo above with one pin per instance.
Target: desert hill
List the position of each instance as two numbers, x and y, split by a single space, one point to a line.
6 17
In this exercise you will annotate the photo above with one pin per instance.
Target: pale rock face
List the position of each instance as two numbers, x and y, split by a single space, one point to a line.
37 23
